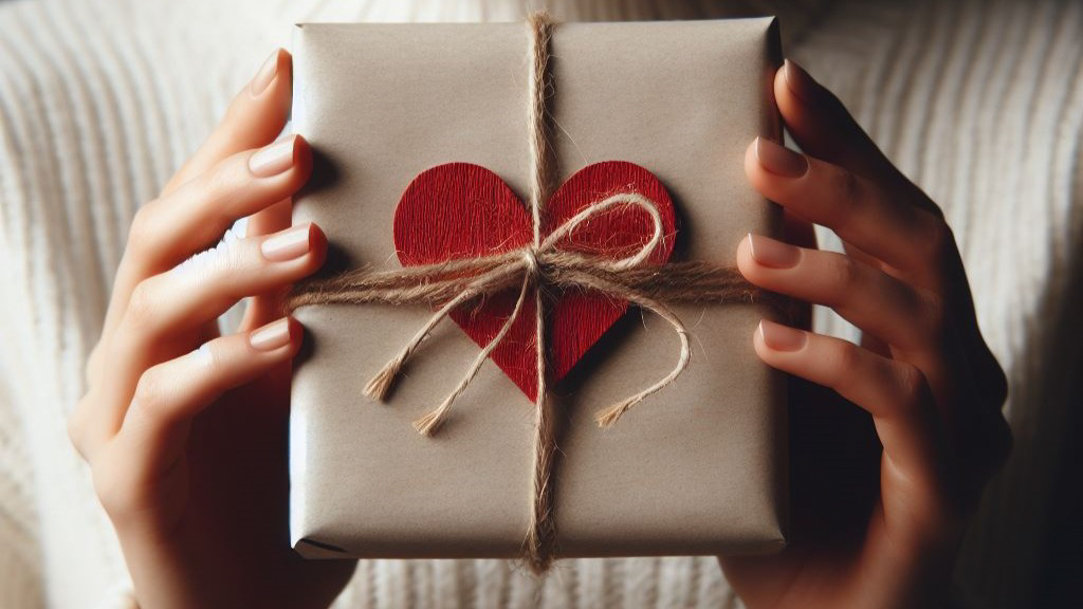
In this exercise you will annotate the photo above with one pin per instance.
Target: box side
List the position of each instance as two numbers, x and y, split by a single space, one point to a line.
380 104
700 467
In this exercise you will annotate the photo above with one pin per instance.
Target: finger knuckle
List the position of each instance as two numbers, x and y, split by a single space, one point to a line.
847 185
848 191
142 305
933 315
845 358
845 277
76 426
221 183
212 355
219 190
235 260
140 231
912 387
117 493
938 241
152 391
924 202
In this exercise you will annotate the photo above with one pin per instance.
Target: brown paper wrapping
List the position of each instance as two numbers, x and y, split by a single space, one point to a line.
699 468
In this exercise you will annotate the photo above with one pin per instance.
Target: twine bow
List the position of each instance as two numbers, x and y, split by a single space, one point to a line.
535 265
453 283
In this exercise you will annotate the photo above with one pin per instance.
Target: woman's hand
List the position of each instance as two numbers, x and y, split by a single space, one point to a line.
875 523
185 430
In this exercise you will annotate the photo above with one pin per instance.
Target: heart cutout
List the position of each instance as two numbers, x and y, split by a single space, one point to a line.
462 210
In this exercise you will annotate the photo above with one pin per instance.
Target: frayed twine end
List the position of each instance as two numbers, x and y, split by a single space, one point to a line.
430 423
380 385
608 417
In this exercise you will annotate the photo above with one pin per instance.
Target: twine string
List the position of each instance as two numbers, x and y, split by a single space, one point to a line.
458 282
541 531
529 266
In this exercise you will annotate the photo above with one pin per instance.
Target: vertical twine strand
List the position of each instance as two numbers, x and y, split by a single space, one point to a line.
541 539
541 154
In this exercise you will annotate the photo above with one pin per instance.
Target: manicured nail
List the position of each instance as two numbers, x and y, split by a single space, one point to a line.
800 82
772 253
288 244
274 159
778 337
274 335
266 74
780 160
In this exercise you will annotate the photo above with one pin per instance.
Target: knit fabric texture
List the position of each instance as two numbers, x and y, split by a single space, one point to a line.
979 102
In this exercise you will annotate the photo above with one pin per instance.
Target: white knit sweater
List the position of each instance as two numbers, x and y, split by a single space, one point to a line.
979 101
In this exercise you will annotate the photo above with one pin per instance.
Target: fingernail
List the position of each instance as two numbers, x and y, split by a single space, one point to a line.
778 337
800 82
274 335
780 160
274 159
288 244
772 253
266 74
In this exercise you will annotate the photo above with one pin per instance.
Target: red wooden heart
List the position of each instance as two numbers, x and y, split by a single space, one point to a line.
461 210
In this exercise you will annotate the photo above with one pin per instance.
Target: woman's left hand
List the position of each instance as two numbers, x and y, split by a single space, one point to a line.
885 535
185 429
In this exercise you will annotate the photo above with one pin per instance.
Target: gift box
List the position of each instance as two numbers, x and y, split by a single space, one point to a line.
402 115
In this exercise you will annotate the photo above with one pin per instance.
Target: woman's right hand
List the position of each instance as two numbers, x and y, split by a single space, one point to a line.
184 429
880 498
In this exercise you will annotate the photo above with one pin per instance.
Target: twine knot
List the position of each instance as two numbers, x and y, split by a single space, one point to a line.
530 261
